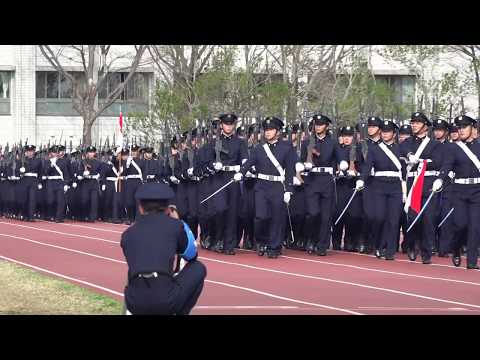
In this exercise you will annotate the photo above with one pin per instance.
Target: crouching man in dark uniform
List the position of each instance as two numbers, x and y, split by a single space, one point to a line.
151 246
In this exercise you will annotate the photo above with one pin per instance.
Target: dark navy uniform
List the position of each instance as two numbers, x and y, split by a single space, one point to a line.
114 182
386 193
134 178
150 247
319 188
227 159
90 170
57 180
466 186
29 171
270 186
424 230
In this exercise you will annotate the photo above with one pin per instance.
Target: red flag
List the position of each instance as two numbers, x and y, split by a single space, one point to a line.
417 189
120 122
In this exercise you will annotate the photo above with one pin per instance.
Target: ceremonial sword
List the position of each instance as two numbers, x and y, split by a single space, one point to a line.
346 207
445 218
421 211
216 192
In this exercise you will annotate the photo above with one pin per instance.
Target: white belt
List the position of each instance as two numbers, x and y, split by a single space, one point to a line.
56 177
13 178
250 175
271 177
133 177
31 174
90 177
321 169
468 181
235 168
427 173
387 173
150 176
114 178
195 178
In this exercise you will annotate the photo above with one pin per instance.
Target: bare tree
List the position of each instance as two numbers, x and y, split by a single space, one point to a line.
97 61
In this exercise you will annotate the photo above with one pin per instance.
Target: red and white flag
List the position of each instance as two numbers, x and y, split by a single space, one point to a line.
119 131
413 204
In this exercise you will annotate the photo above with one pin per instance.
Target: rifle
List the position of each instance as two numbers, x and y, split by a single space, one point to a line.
463 105
190 149
218 144
421 103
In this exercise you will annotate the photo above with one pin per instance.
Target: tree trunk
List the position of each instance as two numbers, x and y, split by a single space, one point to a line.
87 131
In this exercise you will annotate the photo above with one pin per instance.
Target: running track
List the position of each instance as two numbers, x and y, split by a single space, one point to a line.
341 283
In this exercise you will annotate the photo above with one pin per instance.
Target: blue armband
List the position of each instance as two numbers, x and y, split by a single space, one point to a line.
191 250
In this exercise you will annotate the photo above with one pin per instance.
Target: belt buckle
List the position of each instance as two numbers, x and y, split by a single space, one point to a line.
271 177
470 181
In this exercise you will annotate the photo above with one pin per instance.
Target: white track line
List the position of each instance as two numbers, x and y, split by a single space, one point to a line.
398 292
64 248
201 307
82 226
285 298
274 271
62 276
61 233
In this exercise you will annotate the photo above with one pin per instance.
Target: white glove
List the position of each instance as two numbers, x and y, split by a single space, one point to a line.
129 161
104 187
65 188
22 169
286 197
299 167
238 176
53 160
217 166
80 177
74 185
412 159
174 180
296 181
40 186
86 173
248 174
308 166
44 178
190 172
343 165
118 150
437 185
359 185
244 161
351 173
404 198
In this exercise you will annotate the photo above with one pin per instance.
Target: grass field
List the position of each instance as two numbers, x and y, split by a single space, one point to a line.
26 292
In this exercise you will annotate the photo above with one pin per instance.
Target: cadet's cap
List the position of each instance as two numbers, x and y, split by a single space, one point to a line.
154 191
29 147
272 122
228 118
347 131
420 117
389 125
464 120
89 149
374 121
440 124
320 119
405 130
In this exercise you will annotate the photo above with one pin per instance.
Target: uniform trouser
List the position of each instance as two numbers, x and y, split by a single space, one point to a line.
112 206
297 212
270 212
2 197
89 198
55 199
226 211
350 221
403 229
446 233
319 208
130 189
368 202
466 218
27 191
167 296
423 232
203 213
387 198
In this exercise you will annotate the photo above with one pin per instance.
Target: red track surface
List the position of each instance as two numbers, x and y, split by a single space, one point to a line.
340 283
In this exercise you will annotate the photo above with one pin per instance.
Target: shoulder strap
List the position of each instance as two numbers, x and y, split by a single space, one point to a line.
137 168
58 170
273 159
422 147
470 154
391 155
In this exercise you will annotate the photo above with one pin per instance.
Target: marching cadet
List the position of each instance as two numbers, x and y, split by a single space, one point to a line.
319 159
90 170
115 186
453 133
173 172
153 169
226 157
3 178
384 167
72 197
204 213
30 169
12 174
404 133
297 204
191 177
374 139
151 247
134 178
57 180
463 159
350 162
274 163
418 149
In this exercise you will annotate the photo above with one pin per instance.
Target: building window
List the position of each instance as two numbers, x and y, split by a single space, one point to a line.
5 85
136 89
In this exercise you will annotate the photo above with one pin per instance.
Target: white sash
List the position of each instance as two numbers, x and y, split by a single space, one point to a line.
117 174
422 147
391 156
470 154
137 168
58 170
273 159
